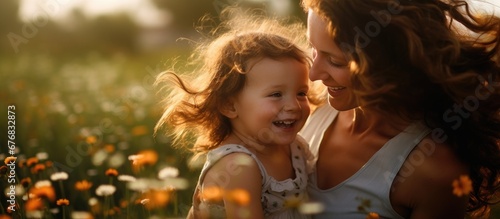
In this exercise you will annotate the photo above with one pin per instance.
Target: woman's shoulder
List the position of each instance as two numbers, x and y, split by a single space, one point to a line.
438 160
426 180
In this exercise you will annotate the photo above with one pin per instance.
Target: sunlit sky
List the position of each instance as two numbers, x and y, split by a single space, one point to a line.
142 11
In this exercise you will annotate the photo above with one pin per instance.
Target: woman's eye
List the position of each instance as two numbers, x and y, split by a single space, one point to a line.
335 63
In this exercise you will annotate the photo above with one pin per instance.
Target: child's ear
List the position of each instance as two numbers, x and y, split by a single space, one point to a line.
228 110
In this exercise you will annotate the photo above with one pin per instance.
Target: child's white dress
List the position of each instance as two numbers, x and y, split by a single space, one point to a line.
274 193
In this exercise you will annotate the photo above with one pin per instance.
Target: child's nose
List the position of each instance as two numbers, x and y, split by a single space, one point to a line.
291 105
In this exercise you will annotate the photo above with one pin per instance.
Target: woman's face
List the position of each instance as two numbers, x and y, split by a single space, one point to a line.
329 64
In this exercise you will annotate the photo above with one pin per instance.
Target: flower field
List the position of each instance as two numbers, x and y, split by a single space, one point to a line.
82 145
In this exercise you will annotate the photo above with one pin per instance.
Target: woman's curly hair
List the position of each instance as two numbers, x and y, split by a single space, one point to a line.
428 60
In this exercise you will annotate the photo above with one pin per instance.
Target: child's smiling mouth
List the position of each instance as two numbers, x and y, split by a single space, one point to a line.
284 123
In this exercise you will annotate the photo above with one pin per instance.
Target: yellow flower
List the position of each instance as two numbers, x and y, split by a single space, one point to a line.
62 201
83 185
111 172
372 215
462 186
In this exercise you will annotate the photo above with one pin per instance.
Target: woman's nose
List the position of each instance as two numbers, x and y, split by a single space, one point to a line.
318 71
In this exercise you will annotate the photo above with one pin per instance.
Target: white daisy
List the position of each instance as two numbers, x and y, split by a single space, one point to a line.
126 178
105 190
43 183
59 176
168 172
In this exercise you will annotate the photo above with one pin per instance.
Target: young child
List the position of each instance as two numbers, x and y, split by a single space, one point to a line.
245 108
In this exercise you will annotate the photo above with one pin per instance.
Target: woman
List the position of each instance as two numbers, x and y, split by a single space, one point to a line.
414 108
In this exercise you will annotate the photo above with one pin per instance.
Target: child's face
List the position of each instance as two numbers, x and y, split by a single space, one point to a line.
273 105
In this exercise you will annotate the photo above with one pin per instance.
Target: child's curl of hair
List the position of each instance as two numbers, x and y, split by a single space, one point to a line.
192 109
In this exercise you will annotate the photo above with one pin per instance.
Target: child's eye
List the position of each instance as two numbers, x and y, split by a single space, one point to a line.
277 94
302 94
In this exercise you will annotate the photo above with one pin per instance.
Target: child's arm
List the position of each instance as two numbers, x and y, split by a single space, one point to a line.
239 176
190 214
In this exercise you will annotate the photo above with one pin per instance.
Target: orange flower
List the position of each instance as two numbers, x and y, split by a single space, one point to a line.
139 130
91 139
26 182
43 192
37 168
113 211
21 163
109 148
123 203
10 159
31 161
156 198
62 201
48 163
372 215
83 185
239 196
33 204
4 216
111 172
462 186
145 157
212 194
11 209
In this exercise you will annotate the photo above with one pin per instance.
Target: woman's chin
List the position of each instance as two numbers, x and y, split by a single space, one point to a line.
340 105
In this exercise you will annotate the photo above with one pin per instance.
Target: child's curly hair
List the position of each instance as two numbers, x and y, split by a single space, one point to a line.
194 108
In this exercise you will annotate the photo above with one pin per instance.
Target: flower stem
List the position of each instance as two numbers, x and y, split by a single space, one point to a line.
62 188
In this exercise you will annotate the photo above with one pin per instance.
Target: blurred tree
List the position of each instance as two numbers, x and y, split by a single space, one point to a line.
105 34
9 22
187 13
